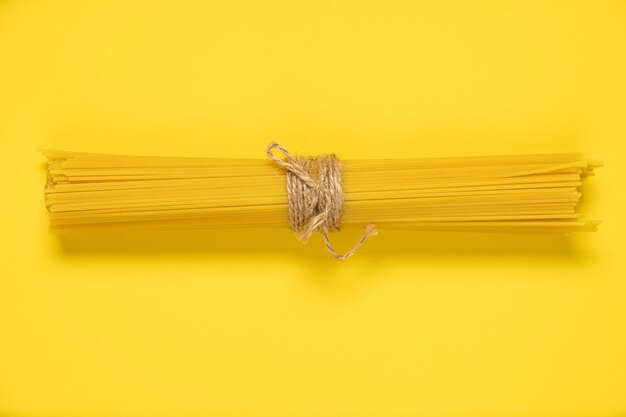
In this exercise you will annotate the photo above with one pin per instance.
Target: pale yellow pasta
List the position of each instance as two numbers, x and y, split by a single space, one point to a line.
518 194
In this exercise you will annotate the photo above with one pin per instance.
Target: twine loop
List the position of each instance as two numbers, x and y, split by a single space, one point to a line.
315 196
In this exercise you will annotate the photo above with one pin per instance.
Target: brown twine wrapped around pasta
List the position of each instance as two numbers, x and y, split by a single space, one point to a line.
315 195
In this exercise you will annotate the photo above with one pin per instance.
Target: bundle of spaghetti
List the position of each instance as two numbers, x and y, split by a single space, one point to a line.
524 193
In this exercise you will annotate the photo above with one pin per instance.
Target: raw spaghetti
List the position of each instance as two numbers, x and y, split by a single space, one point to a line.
521 194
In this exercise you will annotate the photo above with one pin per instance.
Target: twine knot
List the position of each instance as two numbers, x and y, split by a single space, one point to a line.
315 196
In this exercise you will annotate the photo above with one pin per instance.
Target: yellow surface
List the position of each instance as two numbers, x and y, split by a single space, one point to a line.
253 323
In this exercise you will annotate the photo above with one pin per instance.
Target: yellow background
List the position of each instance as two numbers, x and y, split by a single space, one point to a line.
255 324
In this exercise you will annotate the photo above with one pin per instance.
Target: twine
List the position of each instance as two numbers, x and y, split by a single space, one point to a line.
315 194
